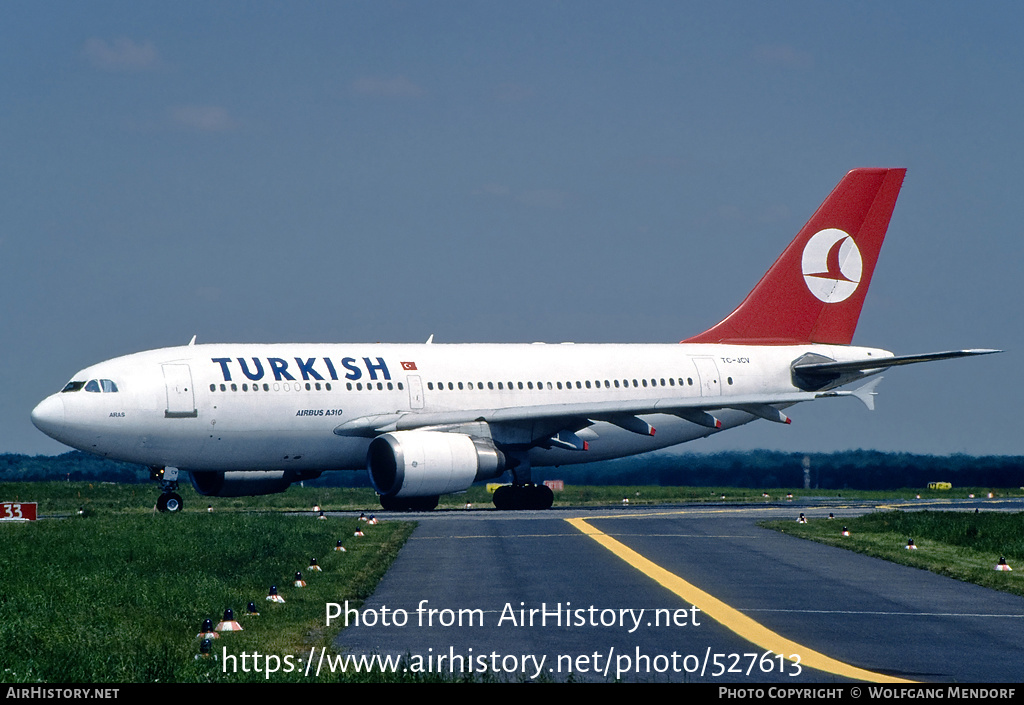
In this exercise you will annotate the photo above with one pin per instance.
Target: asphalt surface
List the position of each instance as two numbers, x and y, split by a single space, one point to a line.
863 612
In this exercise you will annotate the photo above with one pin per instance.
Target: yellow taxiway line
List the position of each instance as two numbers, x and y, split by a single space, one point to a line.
730 617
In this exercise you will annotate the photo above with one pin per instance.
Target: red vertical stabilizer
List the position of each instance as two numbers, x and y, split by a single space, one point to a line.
815 290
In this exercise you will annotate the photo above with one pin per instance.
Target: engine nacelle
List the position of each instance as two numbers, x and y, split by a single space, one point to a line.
424 463
246 483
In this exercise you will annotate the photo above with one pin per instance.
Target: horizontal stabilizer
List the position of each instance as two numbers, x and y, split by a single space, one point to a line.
826 369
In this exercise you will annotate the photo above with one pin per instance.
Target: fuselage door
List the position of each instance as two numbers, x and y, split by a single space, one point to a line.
181 398
707 370
415 392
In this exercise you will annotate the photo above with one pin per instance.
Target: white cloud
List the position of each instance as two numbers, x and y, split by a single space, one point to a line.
121 54
203 118
396 87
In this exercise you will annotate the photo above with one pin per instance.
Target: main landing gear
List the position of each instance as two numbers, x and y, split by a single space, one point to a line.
523 497
169 501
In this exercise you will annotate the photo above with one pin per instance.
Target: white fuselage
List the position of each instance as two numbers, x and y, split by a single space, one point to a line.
301 406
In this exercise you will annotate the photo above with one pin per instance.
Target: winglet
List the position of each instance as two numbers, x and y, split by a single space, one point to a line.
866 393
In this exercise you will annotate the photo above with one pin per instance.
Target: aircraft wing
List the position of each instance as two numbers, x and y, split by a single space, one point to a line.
624 414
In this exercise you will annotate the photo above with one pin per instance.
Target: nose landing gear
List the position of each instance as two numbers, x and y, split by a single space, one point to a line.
169 501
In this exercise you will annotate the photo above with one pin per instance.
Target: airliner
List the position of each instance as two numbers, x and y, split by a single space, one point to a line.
432 419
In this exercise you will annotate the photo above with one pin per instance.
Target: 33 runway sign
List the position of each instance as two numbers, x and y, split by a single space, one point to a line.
17 511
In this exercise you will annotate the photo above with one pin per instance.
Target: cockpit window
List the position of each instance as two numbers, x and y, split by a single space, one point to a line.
73 386
99 385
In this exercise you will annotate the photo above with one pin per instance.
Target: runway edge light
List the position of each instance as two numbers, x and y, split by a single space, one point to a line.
228 624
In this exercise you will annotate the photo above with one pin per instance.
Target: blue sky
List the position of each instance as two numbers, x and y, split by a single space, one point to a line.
507 172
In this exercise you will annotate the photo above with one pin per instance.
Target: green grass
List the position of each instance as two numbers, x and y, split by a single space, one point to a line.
64 498
121 597
961 545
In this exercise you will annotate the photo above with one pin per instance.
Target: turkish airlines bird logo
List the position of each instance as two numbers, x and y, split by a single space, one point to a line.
832 265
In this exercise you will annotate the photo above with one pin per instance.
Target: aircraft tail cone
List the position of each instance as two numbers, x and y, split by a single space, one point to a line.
228 624
272 596
1001 565
299 582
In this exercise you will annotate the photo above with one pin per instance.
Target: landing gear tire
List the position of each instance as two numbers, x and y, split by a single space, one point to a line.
169 502
409 504
523 497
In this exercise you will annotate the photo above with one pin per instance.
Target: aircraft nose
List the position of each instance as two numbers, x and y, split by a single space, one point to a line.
48 416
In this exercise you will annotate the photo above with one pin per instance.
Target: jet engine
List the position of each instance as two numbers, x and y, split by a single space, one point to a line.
430 463
246 483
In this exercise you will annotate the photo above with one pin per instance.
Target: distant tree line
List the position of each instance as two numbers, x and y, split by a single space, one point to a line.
853 469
